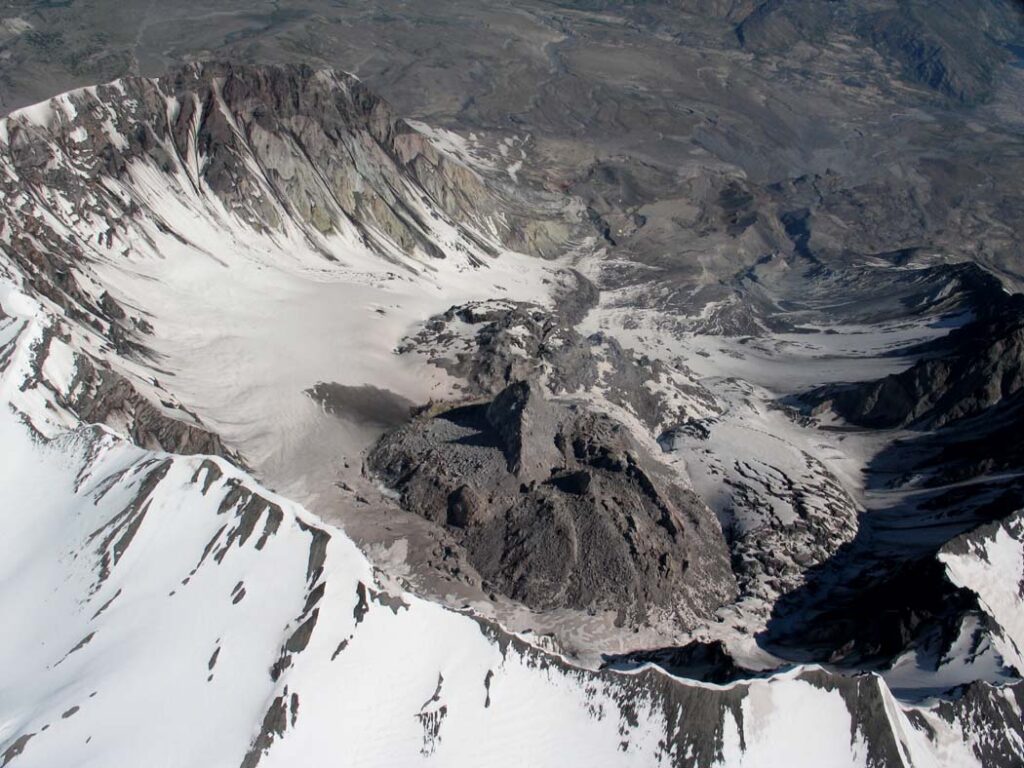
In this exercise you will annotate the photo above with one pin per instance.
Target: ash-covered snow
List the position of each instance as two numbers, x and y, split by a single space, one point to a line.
170 610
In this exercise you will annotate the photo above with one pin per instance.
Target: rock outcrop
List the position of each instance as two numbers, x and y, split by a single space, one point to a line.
489 345
979 366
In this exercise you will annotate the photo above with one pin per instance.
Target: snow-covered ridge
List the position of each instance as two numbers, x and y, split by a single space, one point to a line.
990 562
217 622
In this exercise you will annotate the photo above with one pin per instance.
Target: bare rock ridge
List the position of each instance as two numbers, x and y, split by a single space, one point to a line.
559 507
975 368
271 143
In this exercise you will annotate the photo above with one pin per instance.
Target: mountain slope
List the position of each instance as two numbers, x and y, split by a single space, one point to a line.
187 261
191 615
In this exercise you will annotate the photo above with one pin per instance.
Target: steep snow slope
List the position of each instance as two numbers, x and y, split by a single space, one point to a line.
989 561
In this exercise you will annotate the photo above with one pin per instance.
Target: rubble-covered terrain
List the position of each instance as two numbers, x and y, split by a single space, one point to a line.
558 507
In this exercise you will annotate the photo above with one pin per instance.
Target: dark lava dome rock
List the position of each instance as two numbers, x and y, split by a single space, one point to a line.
558 507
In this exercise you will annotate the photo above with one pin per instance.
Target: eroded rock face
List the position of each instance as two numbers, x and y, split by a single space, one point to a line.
559 507
318 147
101 395
526 425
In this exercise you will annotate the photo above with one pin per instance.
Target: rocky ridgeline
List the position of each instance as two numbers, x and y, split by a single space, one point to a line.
274 145
976 367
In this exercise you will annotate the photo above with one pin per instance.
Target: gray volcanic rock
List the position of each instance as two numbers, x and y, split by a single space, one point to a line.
559 507
490 345
947 46
103 396
974 447
526 425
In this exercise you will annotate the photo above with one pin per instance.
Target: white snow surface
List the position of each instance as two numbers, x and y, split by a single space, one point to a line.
993 568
